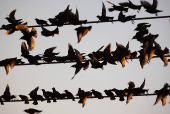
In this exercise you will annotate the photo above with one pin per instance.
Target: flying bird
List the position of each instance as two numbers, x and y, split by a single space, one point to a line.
41 22
151 8
103 17
123 18
32 111
117 8
24 98
46 32
82 31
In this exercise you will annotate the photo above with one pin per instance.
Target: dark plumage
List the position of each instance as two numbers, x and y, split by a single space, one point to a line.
47 33
41 22
110 94
151 8
24 98
69 95
124 18
117 8
97 94
32 111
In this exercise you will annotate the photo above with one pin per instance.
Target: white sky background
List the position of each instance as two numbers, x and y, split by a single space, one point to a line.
23 79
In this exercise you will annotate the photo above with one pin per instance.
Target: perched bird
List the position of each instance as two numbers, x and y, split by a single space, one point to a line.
129 91
49 52
97 94
162 94
54 21
82 31
97 54
69 95
47 33
27 35
48 95
117 8
41 22
33 95
7 95
24 98
32 111
103 17
7 63
143 57
131 5
56 94
110 94
123 18
119 93
151 8
76 21
161 53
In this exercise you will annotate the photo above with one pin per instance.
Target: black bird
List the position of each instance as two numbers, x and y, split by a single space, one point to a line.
103 17
110 94
8 63
7 95
33 95
143 57
95 63
97 54
142 26
27 35
140 35
24 98
48 95
117 8
56 93
79 65
124 18
32 111
131 5
162 94
97 94
82 31
49 52
24 50
41 22
151 8
2 103
47 33
69 95
119 93
54 21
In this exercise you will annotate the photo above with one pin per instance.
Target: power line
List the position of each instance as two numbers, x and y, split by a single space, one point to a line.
89 22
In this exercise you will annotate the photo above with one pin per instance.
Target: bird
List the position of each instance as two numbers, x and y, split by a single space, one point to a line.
95 63
110 94
97 94
161 53
48 95
49 52
41 22
143 57
33 95
32 111
69 95
151 8
107 53
27 35
24 98
8 63
131 5
123 18
82 31
47 33
142 26
24 50
117 8
129 91
79 63
103 16
162 94
97 54
56 94
119 93
7 95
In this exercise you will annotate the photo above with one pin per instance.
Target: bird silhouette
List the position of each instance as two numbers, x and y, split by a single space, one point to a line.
69 95
117 8
48 95
151 8
24 98
110 94
27 35
41 22
129 91
47 33
119 93
82 31
131 5
8 63
32 111
97 94
107 53
7 95
79 65
123 18
142 26
143 57
57 95
33 95
95 63
97 54
103 16
162 94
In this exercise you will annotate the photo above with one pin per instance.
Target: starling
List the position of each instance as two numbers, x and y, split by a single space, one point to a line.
24 98
32 111
41 22
69 95
117 8
97 94
47 33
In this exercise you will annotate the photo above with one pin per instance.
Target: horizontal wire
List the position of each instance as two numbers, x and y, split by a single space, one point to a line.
79 98
143 18
59 62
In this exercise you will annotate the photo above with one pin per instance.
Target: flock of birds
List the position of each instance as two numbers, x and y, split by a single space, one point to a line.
149 46
84 95
121 54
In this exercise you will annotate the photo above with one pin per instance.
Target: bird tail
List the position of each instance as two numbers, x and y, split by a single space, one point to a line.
26 102
56 31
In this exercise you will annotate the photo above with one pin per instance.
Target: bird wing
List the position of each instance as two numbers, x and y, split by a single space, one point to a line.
23 28
155 4
71 51
164 99
85 31
164 59
12 64
86 65
123 62
77 15
99 48
79 35
10 31
49 50
12 14
121 16
7 68
31 43
146 5
129 96
7 91
34 32
143 84
84 101
103 10
109 2
24 48
79 56
159 97
76 71
125 4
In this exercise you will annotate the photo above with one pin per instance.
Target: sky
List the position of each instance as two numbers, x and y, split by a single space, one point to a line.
23 79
